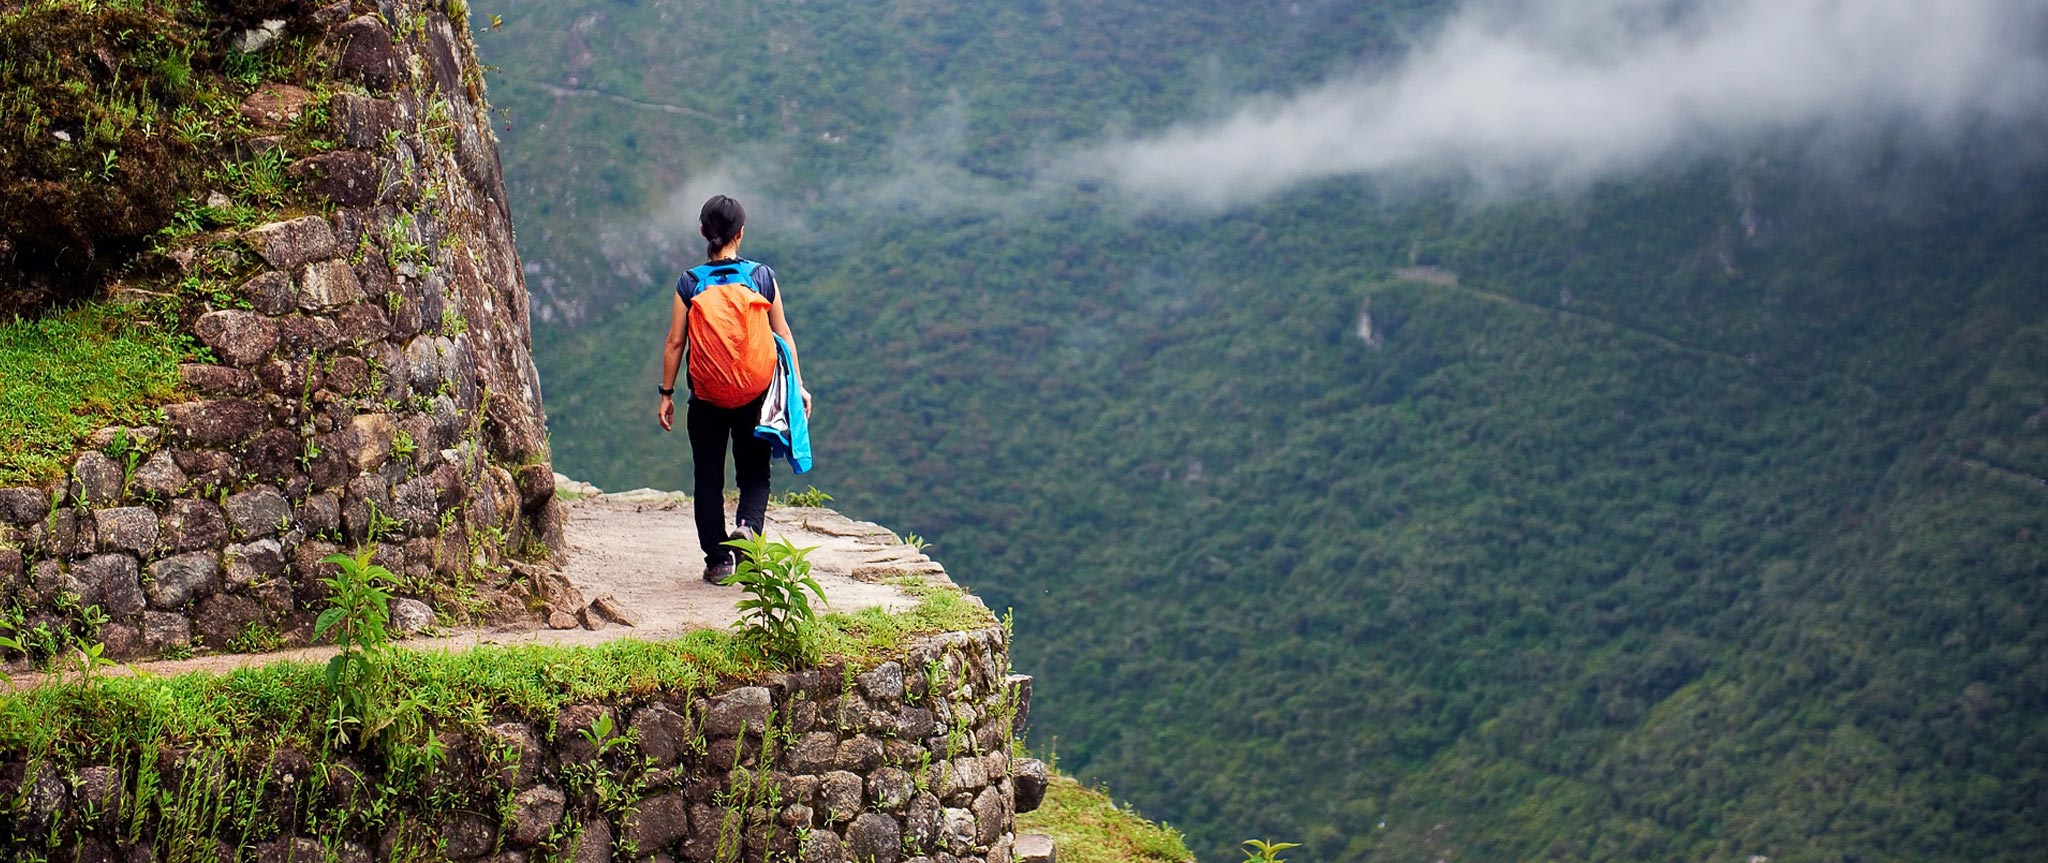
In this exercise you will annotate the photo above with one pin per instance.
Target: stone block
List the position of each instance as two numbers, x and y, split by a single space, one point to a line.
884 683
859 754
210 380
349 376
274 105
611 609
217 422
117 581
326 285
822 846
594 844
363 322
254 563
367 499
61 535
165 629
292 243
890 789
815 752
23 506
915 723
875 837
175 581
536 486
320 514
369 443
221 618
346 177
410 616
260 511
1018 686
96 480
467 836
840 795
191 524
1031 778
963 773
206 467
573 726
657 823
518 739
1033 848
535 812
367 53
743 709
132 529
665 735
270 293
925 820
241 338
990 821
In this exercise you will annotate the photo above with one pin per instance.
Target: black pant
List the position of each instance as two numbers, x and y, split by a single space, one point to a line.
710 426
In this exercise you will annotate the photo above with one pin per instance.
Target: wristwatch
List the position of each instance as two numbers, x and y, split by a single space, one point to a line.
667 391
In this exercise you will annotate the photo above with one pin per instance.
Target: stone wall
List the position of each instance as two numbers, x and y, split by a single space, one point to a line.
373 383
907 761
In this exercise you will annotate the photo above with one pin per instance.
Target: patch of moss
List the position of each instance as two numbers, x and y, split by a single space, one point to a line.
70 373
113 112
1087 826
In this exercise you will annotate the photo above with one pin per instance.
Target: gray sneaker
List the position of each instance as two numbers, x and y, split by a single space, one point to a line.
717 573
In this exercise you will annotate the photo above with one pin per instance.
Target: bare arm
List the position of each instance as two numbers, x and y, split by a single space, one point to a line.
672 359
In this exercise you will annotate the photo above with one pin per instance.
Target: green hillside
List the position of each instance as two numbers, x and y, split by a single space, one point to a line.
1650 537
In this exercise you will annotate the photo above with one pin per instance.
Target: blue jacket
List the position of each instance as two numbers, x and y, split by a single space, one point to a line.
783 424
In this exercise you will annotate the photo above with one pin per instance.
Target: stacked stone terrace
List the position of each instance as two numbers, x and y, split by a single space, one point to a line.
373 383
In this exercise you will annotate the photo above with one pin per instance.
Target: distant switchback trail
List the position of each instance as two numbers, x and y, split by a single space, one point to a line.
1447 279
588 93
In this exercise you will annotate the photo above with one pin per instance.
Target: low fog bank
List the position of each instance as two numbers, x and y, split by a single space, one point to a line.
1528 97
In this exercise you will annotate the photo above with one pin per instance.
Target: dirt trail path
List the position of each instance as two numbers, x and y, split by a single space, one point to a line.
640 548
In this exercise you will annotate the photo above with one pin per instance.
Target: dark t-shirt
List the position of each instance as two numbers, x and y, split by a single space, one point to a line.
764 279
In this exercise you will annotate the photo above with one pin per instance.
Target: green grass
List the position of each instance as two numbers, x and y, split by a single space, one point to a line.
73 372
1087 826
282 703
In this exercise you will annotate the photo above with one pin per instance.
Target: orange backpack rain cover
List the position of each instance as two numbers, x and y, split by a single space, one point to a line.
732 350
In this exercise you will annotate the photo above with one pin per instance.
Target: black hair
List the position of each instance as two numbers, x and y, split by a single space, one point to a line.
720 222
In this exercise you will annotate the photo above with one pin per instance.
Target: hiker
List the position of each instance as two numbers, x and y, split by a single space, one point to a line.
728 317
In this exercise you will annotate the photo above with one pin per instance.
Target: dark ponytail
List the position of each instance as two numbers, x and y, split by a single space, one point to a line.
720 222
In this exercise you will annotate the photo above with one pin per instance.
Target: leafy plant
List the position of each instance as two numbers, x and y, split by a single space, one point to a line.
359 619
603 733
90 660
776 613
810 496
1261 851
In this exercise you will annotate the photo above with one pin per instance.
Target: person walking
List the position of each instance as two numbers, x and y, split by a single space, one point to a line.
725 317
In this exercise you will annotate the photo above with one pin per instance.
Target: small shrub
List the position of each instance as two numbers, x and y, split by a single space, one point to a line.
810 496
1260 851
776 614
359 619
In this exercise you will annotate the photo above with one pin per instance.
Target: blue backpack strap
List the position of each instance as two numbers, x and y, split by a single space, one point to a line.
736 272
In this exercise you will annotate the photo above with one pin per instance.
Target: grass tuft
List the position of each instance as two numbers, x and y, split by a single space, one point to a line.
1087 826
67 374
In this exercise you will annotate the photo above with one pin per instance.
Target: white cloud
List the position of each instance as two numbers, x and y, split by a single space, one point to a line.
1531 95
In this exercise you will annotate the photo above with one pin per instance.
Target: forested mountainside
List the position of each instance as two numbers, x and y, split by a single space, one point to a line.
1692 514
